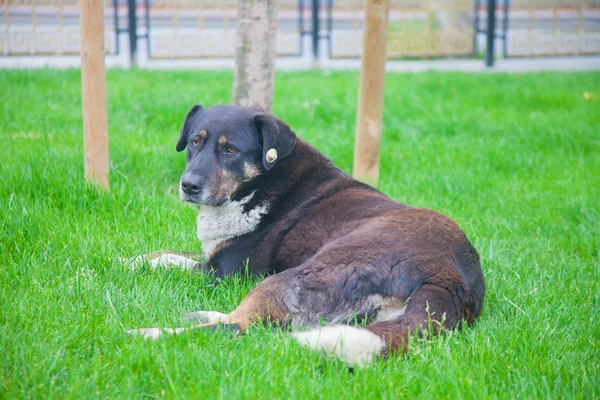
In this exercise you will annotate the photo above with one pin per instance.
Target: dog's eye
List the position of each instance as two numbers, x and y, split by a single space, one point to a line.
194 143
230 149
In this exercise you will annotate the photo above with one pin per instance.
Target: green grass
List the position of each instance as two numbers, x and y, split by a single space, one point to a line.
515 159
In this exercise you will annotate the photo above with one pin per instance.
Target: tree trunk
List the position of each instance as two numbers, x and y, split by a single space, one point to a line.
254 73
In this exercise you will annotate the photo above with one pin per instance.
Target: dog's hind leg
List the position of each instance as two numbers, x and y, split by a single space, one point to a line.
429 310
155 333
234 322
167 259
261 304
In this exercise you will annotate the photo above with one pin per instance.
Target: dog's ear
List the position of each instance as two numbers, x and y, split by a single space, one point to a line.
183 134
278 140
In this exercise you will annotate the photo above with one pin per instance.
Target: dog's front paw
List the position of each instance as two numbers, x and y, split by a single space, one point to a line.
154 333
161 259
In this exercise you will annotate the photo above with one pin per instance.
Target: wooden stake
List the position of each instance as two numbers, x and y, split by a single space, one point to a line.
93 92
370 98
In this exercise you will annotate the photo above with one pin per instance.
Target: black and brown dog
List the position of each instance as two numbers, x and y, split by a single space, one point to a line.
335 249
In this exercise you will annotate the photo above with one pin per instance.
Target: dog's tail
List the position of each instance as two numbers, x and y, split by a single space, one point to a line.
429 310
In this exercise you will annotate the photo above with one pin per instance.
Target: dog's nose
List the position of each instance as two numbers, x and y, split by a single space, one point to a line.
191 185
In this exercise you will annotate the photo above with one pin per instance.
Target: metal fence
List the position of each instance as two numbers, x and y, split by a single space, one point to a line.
416 28
183 29
206 29
553 28
46 27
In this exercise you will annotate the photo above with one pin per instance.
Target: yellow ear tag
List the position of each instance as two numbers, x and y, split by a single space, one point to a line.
271 156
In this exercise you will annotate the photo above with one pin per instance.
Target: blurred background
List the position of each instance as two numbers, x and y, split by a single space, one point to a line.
171 33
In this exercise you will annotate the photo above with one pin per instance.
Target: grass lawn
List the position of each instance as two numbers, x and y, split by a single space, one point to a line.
515 159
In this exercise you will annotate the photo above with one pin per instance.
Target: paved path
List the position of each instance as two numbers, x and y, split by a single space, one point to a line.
581 63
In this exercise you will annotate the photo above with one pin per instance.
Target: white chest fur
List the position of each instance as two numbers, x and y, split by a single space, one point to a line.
218 224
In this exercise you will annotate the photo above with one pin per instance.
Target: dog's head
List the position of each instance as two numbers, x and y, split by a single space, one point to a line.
227 148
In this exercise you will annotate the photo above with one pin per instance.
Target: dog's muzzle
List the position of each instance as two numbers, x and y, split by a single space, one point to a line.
191 184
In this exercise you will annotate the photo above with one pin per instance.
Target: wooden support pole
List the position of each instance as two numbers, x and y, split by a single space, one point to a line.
370 98
93 92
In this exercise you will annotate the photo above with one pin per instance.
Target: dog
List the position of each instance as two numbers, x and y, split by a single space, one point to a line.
334 250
